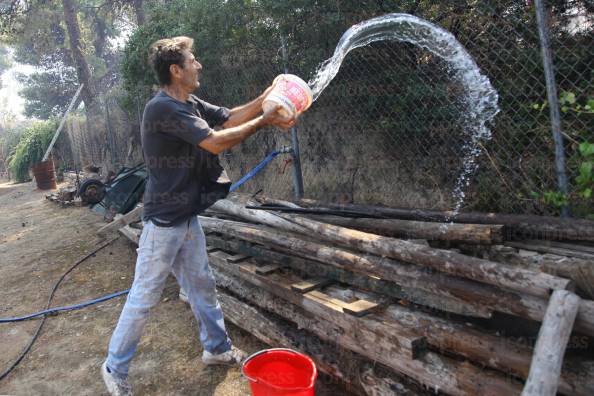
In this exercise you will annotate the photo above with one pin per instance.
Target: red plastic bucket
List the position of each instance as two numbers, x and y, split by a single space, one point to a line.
280 371
291 93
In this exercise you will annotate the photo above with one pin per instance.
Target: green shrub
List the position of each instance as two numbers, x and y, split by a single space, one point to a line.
31 148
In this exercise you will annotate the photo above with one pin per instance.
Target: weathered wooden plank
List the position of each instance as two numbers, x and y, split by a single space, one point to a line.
409 229
211 249
237 258
360 307
134 215
497 352
554 333
505 301
564 245
237 209
579 270
132 234
267 269
309 285
480 347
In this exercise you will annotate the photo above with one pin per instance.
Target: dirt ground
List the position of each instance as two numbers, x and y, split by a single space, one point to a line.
39 241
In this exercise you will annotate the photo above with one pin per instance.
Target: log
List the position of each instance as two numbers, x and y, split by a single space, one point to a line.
450 336
554 333
130 217
497 274
513 303
584 322
568 267
432 370
456 264
357 374
433 291
517 226
570 246
238 210
543 248
410 229
577 377
387 339
509 302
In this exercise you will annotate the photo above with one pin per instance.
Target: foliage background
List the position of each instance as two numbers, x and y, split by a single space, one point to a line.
30 149
385 131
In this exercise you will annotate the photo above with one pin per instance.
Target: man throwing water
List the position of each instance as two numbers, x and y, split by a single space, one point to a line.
180 149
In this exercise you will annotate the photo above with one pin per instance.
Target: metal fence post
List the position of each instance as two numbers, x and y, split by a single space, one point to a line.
547 60
110 137
297 175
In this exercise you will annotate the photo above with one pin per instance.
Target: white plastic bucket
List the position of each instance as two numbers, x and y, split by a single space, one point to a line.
291 93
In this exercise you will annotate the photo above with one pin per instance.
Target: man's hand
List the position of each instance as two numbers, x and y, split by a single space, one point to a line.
274 117
270 88
267 90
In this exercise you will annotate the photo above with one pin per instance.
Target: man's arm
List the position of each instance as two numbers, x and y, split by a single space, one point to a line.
246 112
219 141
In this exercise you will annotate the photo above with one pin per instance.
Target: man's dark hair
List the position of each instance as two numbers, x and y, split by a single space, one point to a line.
166 52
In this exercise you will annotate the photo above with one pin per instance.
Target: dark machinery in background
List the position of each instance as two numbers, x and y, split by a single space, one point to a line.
119 195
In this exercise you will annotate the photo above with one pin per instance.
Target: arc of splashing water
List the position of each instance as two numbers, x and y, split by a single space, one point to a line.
479 96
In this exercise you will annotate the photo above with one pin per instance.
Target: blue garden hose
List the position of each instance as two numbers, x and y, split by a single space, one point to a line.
65 308
259 167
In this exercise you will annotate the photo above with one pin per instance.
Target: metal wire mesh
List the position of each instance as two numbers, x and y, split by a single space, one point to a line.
386 130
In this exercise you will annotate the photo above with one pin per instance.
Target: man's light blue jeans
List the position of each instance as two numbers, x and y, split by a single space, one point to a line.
182 250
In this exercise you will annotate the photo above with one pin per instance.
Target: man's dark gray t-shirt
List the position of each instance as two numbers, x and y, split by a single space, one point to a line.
183 179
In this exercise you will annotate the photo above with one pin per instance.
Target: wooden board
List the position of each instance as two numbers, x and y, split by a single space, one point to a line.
237 258
361 307
134 215
310 284
132 234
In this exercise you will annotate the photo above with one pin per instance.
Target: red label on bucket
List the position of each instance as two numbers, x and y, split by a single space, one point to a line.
294 93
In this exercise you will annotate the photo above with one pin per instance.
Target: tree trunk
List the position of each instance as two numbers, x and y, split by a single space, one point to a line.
139 11
100 36
433 370
83 71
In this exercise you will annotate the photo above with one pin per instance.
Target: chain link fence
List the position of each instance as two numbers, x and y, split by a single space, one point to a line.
386 130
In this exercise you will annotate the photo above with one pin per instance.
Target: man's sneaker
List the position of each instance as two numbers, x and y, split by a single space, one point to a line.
115 386
233 357
183 296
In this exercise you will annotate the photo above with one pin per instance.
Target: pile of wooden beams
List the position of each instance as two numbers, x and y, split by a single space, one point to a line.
401 306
